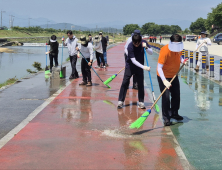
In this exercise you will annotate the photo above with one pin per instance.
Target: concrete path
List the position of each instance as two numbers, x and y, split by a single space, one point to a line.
82 129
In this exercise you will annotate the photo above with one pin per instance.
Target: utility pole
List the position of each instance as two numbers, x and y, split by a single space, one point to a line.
11 19
96 28
1 17
29 21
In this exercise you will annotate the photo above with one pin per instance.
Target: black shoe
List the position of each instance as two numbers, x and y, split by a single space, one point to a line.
135 87
177 117
167 123
71 77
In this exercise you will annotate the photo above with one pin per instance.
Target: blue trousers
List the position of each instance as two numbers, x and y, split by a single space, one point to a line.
105 57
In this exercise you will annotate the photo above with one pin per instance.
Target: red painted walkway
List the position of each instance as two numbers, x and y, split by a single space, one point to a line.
82 129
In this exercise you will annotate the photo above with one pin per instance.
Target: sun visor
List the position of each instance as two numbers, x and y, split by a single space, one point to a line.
175 46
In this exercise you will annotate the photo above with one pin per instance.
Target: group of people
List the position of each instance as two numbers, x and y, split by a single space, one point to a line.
168 65
86 47
152 39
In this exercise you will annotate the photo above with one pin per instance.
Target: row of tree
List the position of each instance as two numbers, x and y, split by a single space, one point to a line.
38 29
214 20
152 29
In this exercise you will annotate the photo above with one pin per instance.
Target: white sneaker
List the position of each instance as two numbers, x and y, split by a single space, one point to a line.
97 67
141 105
120 104
104 66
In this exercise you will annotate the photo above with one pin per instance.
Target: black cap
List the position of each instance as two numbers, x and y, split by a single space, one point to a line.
137 32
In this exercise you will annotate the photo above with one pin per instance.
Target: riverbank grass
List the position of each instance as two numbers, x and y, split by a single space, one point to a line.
9 82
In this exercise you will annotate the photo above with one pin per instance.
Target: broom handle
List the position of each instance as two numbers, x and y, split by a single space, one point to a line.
171 81
121 70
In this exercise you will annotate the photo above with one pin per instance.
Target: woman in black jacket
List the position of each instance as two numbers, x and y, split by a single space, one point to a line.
53 52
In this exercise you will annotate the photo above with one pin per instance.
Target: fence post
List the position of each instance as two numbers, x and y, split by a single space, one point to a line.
211 66
204 64
197 54
191 59
220 69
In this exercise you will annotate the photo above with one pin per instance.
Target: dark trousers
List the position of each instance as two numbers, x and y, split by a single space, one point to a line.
86 70
73 60
51 57
160 40
134 77
98 57
170 106
125 84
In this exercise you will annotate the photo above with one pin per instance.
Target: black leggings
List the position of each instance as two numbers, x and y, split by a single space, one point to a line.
98 56
86 70
51 57
171 106
125 84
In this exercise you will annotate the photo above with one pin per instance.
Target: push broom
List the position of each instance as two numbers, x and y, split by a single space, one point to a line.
47 71
112 77
61 71
94 70
139 122
151 83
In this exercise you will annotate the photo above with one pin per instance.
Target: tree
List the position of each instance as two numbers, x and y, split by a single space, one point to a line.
186 31
165 29
150 28
198 26
129 28
214 18
175 29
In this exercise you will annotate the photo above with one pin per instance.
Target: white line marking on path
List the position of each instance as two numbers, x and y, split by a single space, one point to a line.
31 116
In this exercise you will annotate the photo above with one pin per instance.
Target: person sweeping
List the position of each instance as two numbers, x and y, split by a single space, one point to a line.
168 65
203 49
53 52
135 65
99 52
86 49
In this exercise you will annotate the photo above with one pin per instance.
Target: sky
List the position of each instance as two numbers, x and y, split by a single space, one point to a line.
107 12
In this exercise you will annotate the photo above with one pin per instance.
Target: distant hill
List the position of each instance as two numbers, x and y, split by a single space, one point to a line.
68 26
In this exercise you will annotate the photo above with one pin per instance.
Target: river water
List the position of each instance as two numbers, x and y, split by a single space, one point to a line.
15 64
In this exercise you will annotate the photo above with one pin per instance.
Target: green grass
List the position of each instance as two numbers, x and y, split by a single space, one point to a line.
27 37
8 82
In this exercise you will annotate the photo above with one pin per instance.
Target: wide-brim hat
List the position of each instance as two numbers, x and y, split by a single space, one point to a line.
84 40
175 46
97 38
204 32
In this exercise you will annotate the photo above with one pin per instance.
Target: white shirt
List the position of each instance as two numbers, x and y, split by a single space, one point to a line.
98 47
72 44
129 40
204 47
87 51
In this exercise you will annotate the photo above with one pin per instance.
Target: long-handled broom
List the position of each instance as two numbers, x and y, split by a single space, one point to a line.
61 71
151 83
139 122
94 70
112 77
47 71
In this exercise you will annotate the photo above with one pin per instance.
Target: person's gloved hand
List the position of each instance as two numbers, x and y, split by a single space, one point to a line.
62 39
167 83
185 61
144 45
47 52
146 68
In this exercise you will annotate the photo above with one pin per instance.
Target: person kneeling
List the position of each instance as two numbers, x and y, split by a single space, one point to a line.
135 65
86 49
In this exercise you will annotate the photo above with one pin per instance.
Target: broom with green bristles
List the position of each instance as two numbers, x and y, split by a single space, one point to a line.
154 98
112 77
47 71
